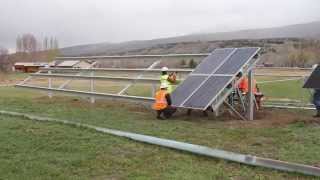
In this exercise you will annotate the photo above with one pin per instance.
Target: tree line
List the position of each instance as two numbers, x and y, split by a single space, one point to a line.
29 43
3 58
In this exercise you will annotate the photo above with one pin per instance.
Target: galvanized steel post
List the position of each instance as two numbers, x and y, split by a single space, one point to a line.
50 85
251 96
92 99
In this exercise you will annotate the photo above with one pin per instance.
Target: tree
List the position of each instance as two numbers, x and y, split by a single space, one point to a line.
183 63
4 62
29 43
192 64
3 51
55 44
45 43
298 58
18 44
51 43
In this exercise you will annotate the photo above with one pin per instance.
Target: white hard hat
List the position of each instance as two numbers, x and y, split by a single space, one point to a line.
163 86
314 66
164 69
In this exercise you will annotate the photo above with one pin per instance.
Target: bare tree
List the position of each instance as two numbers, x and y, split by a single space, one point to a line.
56 44
45 43
51 43
4 60
3 51
18 44
29 43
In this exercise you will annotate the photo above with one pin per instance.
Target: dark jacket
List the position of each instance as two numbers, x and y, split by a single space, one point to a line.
168 98
316 98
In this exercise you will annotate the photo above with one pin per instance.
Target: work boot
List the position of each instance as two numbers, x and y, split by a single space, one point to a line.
318 114
160 118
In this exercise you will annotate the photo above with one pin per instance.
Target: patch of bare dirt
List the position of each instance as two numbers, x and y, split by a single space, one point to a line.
274 118
265 118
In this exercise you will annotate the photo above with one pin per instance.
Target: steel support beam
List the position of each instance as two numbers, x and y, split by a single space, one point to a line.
92 98
139 77
106 78
148 100
49 84
130 56
250 96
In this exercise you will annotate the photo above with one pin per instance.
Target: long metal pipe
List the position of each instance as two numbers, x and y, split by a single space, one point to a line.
119 79
192 148
117 70
127 70
90 94
132 56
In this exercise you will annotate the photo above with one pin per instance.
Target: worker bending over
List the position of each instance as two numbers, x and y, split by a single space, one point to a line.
168 79
244 88
163 103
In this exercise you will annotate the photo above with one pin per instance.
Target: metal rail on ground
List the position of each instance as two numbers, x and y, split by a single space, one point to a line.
183 146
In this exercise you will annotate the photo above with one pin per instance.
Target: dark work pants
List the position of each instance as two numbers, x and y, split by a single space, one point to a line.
316 99
167 112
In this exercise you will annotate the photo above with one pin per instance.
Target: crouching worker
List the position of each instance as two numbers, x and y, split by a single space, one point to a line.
163 102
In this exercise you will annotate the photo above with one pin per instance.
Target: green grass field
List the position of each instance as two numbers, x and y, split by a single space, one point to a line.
34 150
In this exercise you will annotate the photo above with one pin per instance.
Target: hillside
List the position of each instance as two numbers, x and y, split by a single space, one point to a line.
308 30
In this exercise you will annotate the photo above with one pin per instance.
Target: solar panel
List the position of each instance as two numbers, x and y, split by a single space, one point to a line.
216 58
237 60
217 70
314 79
185 89
205 94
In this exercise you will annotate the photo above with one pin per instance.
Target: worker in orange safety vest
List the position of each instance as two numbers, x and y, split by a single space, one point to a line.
163 103
244 88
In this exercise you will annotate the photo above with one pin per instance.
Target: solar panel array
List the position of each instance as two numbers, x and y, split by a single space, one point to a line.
314 79
211 77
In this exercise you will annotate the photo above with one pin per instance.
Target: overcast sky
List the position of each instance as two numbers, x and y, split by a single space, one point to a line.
76 22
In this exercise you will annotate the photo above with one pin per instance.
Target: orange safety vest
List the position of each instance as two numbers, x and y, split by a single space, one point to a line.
161 101
244 85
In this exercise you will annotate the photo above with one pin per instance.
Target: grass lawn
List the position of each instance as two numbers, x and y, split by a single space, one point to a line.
286 90
51 151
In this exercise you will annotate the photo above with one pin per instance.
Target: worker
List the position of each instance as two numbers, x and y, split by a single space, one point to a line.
316 102
244 88
163 103
316 97
168 79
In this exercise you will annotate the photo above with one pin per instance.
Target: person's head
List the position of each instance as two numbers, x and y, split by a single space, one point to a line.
164 70
164 86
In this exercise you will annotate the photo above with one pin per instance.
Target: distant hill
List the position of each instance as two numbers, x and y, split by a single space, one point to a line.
308 30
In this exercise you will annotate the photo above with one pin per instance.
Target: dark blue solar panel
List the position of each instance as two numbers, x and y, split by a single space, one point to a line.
210 63
237 60
192 93
314 79
202 97
184 90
